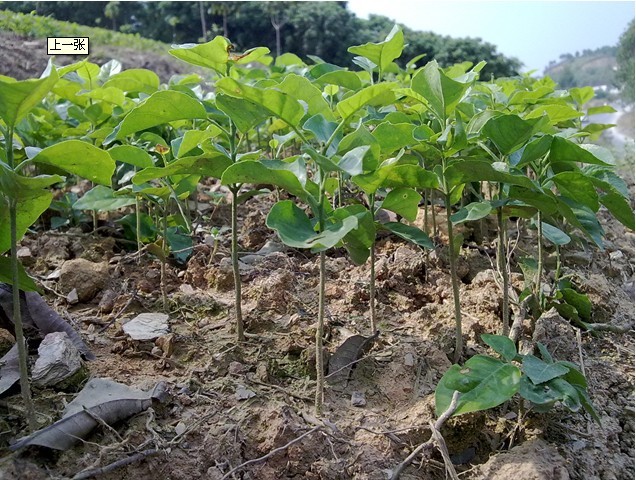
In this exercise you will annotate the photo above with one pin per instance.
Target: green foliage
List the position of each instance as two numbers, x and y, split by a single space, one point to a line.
625 63
486 382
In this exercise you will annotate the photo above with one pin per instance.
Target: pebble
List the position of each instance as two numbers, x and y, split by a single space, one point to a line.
243 393
58 359
358 400
147 326
72 298
409 360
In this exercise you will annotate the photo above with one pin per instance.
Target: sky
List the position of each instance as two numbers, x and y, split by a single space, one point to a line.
534 31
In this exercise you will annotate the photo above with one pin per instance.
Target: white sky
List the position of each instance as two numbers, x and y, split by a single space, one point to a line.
533 31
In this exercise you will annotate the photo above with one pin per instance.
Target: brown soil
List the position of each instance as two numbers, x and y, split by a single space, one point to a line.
398 376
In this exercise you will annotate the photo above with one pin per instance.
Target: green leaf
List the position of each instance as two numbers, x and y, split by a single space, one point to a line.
502 345
439 91
579 301
394 136
107 94
320 127
245 114
368 95
27 214
403 201
508 132
359 240
409 233
80 158
396 175
600 109
556 113
383 53
25 283
210 165
135 80
485 382
563 150
578 187
23 188
194 138
362 137
161 107
351 162
131 155
554 234
19 98
535 150
251 55
302 89
213 54
620 208
473 170
582 95
102 199
289 176
540 395
296 230
342 78
539 371
180 244
472 211
277 103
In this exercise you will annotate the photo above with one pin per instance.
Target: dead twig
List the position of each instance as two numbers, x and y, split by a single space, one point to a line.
94 472
281 389
429 443
270 454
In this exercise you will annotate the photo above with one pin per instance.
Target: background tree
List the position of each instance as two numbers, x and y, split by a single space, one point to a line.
625 61
111 11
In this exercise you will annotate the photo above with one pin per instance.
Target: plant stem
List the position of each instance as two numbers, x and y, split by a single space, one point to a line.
557 271
138 228
503 270
164 248
25 387
374 323
240 335
459 341
537 285
320 368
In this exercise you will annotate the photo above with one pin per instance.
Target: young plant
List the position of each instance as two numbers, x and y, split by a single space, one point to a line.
28 197
485 382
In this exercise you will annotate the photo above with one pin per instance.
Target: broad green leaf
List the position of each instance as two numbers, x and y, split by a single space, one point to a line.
22 188
296 230
250 55
245 114
535 150
606 179
556 113
80 158
579 301
485 382
102 199
465 171
540 395
440 91
289 176
554 234
403 201
409 233
351 162
539 371
563 150
600 109
209 165
161 107
180 243
502 345
396 175
277 103
362 137
620 208
213 54
382 53
508 132
578 187
107 94
135 80
366 96
359 240
25 283
131 155
472 211
193 138
320 127
582 95
27 214
586 219
302 89
18 98
394 136
531 97
342 78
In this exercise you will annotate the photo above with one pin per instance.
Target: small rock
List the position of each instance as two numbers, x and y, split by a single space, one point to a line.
55 275
243 393
25 256
613 256
58 360
107 303
87 277
147 326
72 298
166 344
236 368
358 400
409 360
180 428
156 351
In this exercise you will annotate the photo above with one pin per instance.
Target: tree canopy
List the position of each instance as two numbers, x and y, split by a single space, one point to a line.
625 63
323 29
